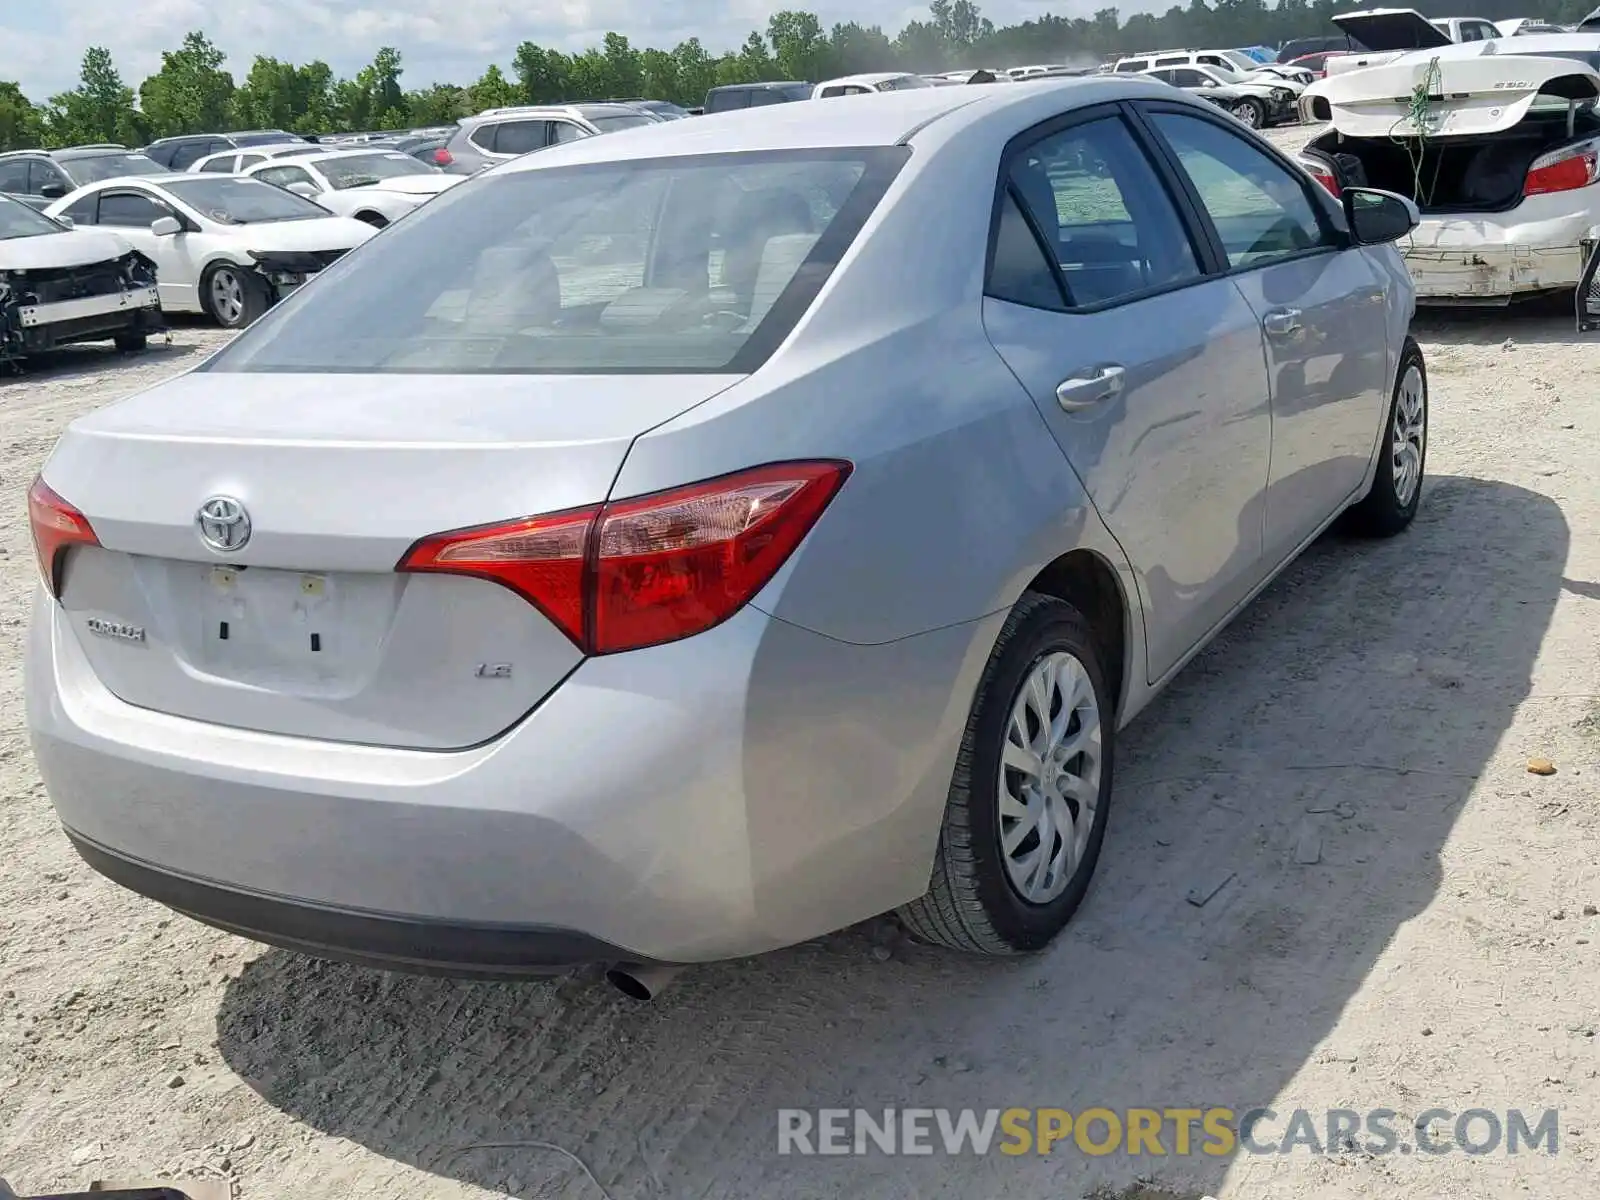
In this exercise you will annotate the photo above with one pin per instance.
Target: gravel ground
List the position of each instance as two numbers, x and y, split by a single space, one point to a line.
1380 704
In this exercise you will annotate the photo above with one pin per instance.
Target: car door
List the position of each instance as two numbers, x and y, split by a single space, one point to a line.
130 211
14 176
1322 307
512 138
1145 364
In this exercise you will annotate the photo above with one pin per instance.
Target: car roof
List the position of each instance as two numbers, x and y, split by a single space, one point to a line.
876 119
764 85
866 77
69 153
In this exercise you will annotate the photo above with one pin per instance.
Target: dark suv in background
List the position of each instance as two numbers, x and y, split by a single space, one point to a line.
178 152
37 177
753 95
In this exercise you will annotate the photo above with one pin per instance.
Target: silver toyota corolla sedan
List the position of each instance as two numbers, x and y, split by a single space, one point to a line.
679 544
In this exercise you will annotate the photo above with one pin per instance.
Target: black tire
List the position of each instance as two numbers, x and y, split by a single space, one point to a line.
253 298
376 220
1257 118
1383 512
971 903
131 343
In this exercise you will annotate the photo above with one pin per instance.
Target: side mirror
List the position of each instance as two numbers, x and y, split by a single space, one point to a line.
1375 216
166 226
67 221
52 191
308 190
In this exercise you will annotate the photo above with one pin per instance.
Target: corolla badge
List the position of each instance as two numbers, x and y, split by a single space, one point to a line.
224 524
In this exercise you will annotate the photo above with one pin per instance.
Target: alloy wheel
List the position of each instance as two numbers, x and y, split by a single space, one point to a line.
1410 435
227 297
1049 786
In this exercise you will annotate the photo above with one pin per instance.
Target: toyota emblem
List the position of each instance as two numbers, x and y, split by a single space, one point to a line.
223 523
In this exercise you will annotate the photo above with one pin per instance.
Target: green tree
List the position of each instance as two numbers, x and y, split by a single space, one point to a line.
445 102
191 93
99 109
21 126
493 90
697 72
541 74
659 79
624 72
799 50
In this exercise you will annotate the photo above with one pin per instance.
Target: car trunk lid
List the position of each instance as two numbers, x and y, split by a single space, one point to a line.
306 629
1386 29
1488 93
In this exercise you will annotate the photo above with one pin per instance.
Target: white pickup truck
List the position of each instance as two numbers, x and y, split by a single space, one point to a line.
1387 33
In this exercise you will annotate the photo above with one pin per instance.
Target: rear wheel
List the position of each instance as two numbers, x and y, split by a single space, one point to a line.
1252 112
233 296
1026 814
1397 486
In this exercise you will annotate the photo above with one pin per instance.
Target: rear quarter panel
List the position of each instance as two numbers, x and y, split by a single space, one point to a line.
959 495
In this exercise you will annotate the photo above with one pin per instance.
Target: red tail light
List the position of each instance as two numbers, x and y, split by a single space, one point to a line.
57 526
1563 170
653 569
1323 174
443 157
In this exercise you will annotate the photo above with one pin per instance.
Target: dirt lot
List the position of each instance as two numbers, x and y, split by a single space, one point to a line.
1381 701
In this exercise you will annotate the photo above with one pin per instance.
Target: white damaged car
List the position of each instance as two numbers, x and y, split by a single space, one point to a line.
224 245
1498 144
59 286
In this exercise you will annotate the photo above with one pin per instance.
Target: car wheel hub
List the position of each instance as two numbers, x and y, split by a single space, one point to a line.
1049 786
1410 435
227 296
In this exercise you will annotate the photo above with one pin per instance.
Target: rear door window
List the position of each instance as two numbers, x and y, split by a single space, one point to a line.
1104 215
14 176
521 137
192 152
1262 211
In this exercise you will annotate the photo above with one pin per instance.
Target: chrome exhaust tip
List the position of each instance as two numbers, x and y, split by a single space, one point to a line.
641 981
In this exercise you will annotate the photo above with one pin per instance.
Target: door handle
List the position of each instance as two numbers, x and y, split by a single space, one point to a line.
1281 322
1085 391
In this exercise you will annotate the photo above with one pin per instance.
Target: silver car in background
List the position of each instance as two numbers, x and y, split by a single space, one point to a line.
682 543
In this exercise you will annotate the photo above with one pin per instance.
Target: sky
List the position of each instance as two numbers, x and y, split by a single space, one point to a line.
42 43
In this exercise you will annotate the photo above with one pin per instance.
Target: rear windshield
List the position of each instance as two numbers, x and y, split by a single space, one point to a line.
695 265
235 201
95 167
361 170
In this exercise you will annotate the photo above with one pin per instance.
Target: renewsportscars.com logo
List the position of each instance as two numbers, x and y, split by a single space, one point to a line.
1162 1132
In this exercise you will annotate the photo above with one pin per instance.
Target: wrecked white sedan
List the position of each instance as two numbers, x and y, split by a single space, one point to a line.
1498 143
58 286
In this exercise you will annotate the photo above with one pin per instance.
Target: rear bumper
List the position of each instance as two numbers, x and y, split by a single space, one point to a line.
742 790
370 939
1491 260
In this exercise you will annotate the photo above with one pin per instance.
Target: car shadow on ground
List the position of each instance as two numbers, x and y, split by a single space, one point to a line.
1541 321
1348 713
95 358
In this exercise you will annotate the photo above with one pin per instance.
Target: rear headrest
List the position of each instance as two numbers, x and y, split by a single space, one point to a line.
1039 193
513 287
780 260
